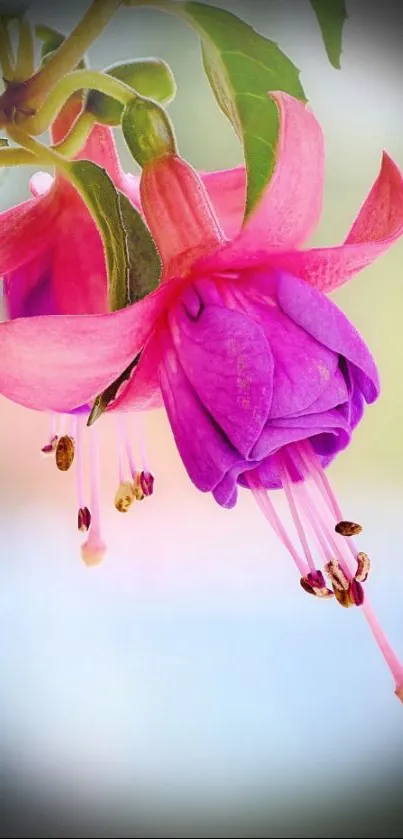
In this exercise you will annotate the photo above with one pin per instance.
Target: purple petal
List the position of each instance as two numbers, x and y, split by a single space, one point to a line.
204 449
335 395
226 493
227 360
303 367
325 322
278 433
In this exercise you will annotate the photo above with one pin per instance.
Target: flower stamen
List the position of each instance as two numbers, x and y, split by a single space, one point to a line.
312 496
337 576
93 550
124 496
83 519
83 515
314 583
363 567
348 528
50 447
65 449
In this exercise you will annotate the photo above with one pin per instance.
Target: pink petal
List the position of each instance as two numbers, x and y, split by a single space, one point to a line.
79 277
292 203
179 213
57 363
26 230
227 192
99 147
142 390
378 226
226 189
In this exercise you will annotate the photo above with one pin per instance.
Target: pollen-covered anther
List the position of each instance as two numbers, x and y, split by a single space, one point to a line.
363 567
65 452
356 592
348 528
336 576
83 519
343 597
137 489
147 483
124 497
314 583
50 447
353 596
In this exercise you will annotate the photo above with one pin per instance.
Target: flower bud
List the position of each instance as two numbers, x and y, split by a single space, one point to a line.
148 131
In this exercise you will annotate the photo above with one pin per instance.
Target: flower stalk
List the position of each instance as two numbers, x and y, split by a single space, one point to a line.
6 53
25 64
78 80
71 51
29 95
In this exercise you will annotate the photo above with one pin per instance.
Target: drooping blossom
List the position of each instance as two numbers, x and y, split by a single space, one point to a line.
52 263
262 377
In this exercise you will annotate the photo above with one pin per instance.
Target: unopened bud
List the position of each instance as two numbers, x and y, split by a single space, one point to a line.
148 131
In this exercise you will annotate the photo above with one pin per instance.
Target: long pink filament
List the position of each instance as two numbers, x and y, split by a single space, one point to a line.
274 520
139 426
315 470
128 446
390 657
79 456
95 483
395 666
120 449
287 486
54 425
306 506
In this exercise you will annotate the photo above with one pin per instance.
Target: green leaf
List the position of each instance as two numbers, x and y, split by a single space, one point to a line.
242 66
144 261
150 77
132 259
331 15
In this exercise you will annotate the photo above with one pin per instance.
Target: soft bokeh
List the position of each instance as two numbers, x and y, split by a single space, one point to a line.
189 680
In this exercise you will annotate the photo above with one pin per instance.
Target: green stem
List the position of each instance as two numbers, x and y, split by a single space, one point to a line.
79 80
42 154
68 147
76 137
25 55
71 51
17 157
6 52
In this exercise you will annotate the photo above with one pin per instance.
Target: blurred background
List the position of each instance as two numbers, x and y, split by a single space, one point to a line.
187 686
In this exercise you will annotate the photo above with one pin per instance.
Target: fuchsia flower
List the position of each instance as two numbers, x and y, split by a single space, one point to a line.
263 378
